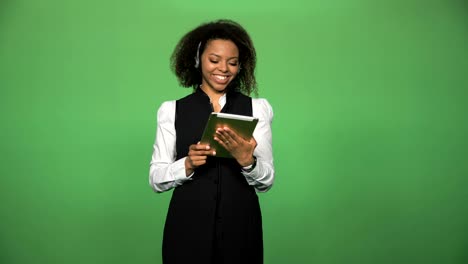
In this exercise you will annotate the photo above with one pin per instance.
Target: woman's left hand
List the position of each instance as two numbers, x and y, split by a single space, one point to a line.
241 149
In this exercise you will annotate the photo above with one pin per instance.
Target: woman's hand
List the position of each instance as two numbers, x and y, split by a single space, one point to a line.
241 149
197 156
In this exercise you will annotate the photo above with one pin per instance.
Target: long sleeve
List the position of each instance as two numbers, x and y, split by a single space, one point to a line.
166 172
262 176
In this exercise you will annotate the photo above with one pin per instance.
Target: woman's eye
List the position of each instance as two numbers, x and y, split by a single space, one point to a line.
233 64
212 61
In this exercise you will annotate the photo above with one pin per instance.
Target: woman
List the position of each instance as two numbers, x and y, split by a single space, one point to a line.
214 214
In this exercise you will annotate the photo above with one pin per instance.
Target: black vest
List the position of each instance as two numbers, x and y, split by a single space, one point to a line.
217 212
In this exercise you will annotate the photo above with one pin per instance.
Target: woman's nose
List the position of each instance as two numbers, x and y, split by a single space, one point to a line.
223 67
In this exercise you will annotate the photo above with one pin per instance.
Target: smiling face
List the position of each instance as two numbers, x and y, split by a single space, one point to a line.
219 65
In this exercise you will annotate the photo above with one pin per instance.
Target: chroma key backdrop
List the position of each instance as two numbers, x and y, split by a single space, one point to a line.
370 127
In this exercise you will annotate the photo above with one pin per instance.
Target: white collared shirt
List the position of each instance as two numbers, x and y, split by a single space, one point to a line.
166 172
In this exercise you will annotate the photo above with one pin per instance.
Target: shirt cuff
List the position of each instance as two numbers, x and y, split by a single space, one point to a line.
178 171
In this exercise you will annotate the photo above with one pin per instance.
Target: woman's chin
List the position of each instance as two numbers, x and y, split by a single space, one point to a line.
219 88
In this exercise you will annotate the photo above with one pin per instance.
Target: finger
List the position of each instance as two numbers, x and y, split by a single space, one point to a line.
221 142
202 153
200 149
198 163
198 158
223 136
199 146
232 134
205 153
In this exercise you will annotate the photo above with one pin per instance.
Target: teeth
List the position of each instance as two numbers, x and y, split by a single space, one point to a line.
221 77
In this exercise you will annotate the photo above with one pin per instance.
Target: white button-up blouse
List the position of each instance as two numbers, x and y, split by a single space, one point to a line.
167 173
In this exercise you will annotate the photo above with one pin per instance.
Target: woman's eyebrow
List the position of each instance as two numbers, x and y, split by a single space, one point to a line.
235 57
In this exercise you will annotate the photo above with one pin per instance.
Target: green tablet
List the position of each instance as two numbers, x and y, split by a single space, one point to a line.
242 125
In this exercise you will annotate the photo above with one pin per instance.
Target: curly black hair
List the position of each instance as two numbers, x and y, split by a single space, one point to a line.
183 57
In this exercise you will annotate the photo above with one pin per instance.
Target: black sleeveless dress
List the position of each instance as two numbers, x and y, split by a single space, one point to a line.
215 217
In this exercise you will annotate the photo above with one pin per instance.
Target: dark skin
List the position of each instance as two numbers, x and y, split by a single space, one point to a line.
241 149
219 66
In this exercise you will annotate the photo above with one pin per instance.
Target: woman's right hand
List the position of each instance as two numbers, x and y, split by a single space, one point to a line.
197 156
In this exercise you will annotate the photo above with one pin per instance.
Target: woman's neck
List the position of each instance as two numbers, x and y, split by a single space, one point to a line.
213 95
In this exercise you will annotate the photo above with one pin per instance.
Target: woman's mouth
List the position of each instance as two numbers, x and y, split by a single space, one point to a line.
221 79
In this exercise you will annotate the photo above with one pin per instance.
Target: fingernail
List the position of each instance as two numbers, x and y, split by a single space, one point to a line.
207 147
214 153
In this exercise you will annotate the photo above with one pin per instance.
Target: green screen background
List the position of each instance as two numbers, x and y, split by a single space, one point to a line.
370 127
